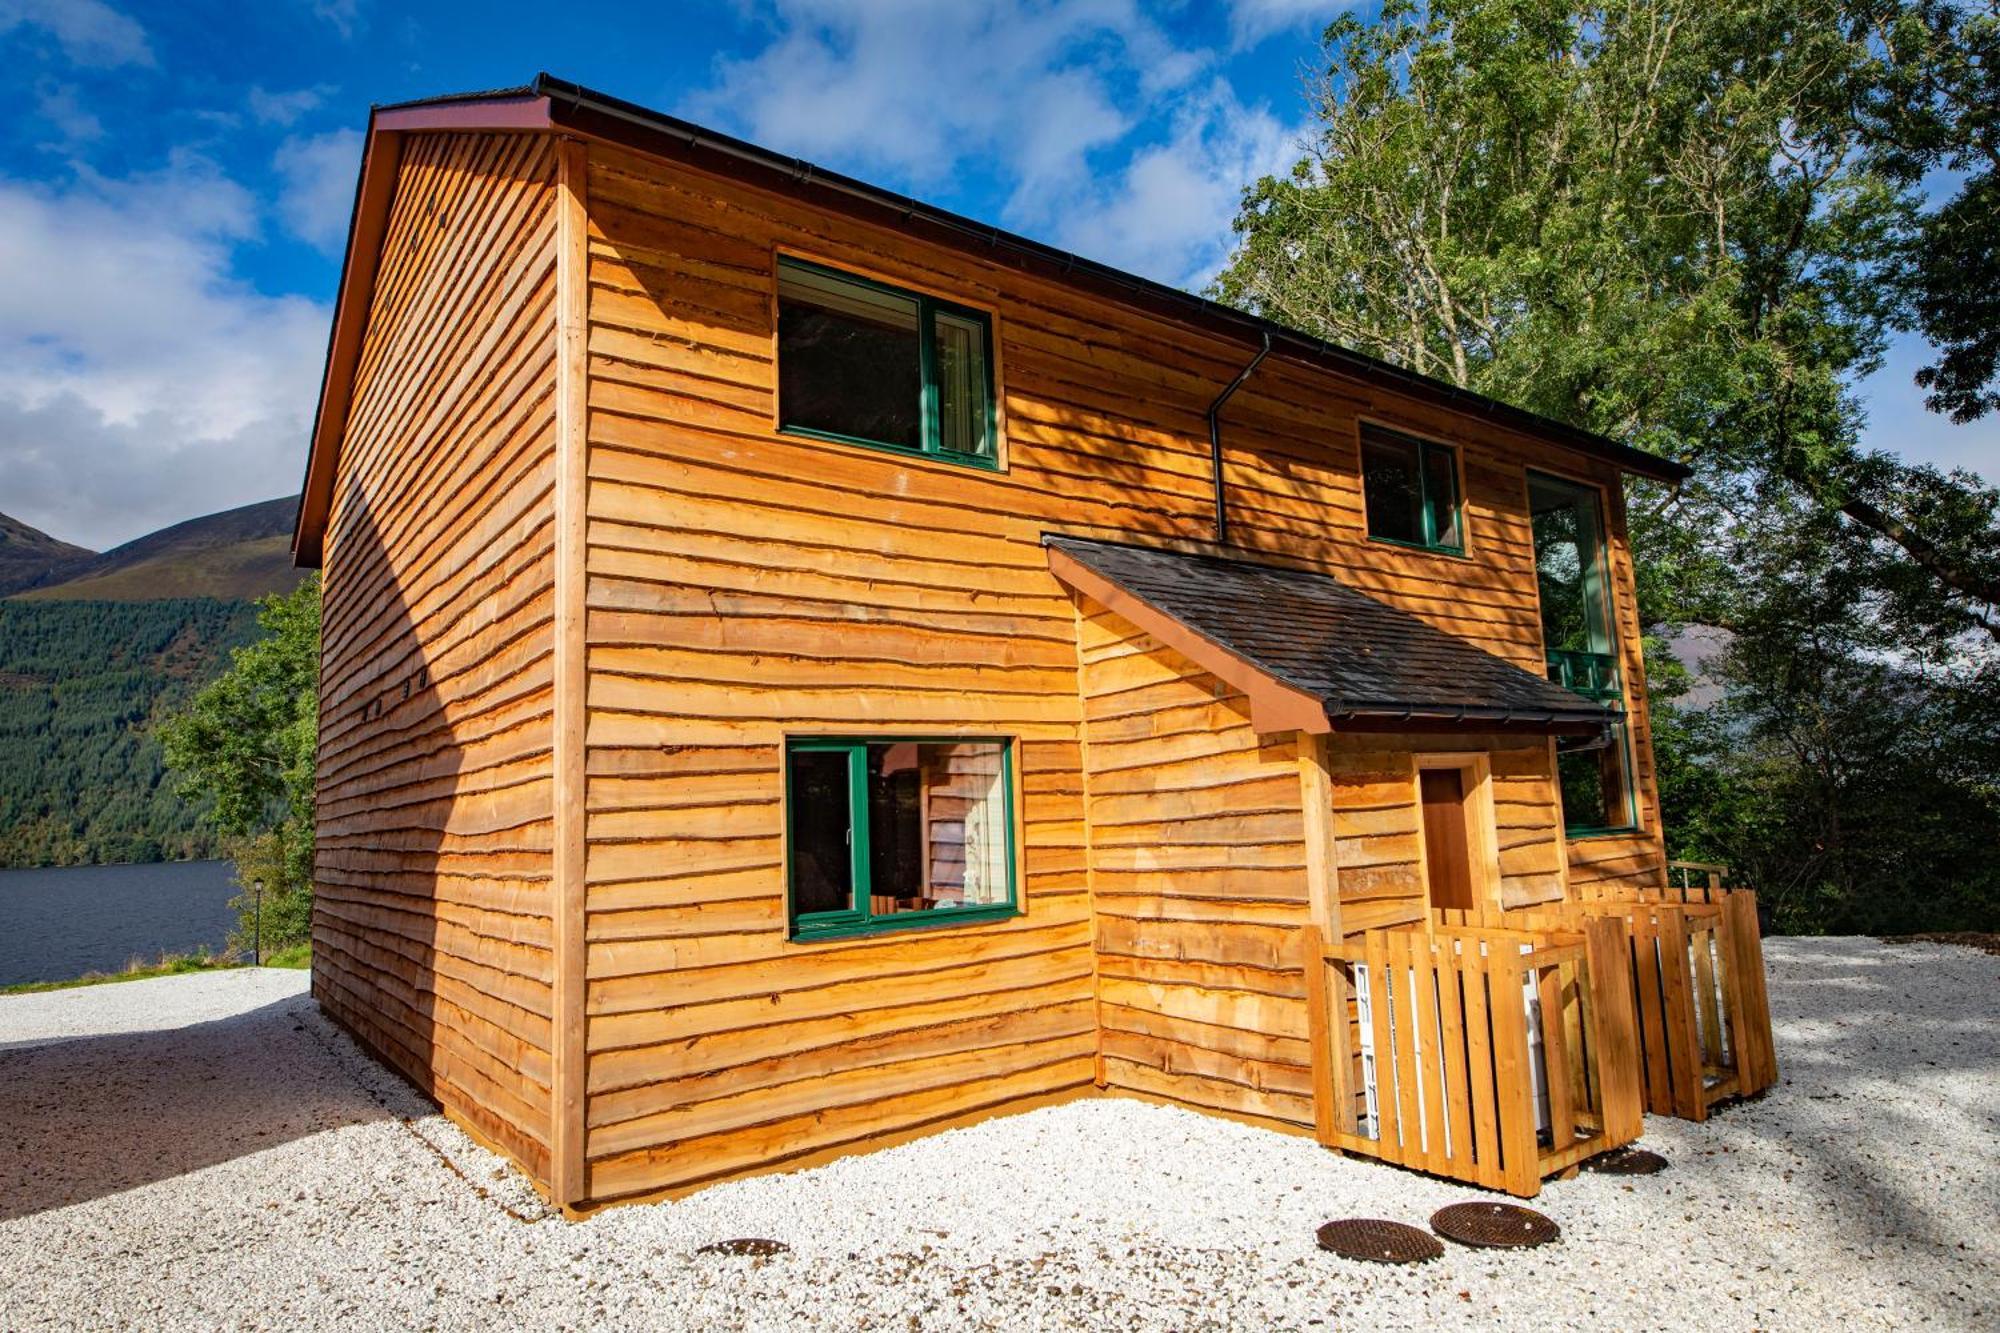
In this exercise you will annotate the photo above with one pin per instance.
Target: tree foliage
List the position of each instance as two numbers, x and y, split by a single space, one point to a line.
1936 109
244 749
1693 227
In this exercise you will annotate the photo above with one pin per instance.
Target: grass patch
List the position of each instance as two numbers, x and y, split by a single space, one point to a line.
292 955
169 965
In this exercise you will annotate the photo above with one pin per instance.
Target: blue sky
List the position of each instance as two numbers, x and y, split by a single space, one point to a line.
176 180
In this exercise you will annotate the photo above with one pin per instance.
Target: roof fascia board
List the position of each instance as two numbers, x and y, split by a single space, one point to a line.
1275 705
526 112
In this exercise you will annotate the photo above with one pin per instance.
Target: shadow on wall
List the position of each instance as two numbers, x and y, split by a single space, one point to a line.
94 1116
388 774
435 831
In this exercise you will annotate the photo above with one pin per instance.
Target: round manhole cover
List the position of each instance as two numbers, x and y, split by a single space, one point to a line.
745 1245
1494 1225
1627 1162
1378 1241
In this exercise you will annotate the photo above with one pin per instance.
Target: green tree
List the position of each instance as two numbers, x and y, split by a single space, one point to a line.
1691 227
245 746
1936 108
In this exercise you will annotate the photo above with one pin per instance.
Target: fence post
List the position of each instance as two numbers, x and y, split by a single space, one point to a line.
1514 1087
1607 956
1319 1032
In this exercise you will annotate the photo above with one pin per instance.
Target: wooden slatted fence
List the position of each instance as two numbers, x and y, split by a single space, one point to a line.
1696 968
1496 1057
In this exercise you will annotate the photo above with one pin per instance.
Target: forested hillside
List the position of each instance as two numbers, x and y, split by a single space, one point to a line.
81 685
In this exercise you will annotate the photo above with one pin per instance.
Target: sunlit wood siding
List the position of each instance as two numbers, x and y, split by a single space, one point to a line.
1198 873
432 924
744 585
1378 830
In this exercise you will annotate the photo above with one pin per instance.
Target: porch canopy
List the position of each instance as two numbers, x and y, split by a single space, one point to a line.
1312 653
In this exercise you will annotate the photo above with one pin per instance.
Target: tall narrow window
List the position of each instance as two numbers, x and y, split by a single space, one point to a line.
1579 637
1410 489
865 363
888 833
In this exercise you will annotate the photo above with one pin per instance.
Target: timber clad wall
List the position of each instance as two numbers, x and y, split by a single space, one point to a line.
1198 871
741 586
1377 823
432 928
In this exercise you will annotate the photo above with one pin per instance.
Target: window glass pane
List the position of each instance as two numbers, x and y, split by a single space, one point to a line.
1595 794
1568 581
938 826
960 366
822 862
848 358
1441 493
1392 487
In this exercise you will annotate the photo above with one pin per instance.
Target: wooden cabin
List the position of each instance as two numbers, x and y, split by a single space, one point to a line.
803 669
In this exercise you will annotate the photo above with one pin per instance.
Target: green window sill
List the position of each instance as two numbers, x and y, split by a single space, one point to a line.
1455 552
848 925
1585 834
977 461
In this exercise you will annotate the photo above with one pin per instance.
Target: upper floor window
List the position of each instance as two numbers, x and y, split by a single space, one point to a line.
1580 638
867 363
882 833
1410 488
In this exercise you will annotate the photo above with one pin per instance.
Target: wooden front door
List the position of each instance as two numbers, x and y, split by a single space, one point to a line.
1447 838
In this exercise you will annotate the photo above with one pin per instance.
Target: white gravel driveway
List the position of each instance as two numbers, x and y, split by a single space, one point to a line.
205 1151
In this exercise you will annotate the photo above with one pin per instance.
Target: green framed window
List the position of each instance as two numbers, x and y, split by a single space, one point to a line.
866 363
1580 640
890 833
1409 488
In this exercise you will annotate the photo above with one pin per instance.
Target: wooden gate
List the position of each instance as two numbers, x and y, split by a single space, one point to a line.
1492 1056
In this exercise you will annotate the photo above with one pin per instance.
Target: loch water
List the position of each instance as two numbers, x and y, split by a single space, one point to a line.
61 923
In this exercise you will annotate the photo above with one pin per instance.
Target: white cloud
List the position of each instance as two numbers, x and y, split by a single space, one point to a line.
914 87
1167 214
90 32
1042 96
1251 21
59 105
318 172
344 15
139 382
283 108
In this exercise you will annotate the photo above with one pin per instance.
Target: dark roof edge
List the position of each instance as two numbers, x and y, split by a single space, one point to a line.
574 105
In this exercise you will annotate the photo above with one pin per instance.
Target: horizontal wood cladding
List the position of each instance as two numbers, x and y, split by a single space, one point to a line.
1197 843
743 585
432 924
1378 829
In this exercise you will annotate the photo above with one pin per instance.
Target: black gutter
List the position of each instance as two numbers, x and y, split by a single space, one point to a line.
1215 440
576 107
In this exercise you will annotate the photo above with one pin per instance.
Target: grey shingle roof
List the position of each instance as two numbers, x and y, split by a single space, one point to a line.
1372 666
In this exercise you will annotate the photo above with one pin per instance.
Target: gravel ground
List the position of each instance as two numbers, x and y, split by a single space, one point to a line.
205 1151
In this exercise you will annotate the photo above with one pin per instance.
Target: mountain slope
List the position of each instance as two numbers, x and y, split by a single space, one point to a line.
28 556
97 654
235 555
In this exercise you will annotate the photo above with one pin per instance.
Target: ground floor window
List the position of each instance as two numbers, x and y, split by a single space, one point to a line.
884 833
1596 791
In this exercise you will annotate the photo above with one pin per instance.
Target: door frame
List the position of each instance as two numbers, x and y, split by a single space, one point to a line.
1475 769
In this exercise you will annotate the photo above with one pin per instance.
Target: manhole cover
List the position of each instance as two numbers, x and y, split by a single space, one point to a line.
1627 1162
1493 1224
745 1245
1377 1241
